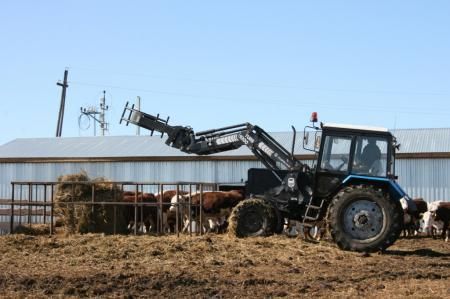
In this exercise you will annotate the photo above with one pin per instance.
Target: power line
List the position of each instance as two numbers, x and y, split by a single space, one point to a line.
315 104
276 85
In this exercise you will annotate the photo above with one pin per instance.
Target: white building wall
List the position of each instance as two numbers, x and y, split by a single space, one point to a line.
427 178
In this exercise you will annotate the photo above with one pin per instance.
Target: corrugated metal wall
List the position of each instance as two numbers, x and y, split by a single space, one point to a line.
427 178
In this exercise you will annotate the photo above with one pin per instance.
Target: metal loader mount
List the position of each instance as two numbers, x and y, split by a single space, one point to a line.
352 184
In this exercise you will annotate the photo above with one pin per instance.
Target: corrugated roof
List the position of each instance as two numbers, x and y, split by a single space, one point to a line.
412 141
436 140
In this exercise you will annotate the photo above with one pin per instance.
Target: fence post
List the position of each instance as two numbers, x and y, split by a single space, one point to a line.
135 209
45 203
11 225
177 211
190 210
142 207
114 208
30 196
201 209
51 210
20 202
160 212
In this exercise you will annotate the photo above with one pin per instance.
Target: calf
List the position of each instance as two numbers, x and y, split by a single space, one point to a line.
442 213
146 216
429 225
411 220
169 208
216 208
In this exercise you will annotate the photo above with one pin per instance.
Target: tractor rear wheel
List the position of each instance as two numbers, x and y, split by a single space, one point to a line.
363 219
252 217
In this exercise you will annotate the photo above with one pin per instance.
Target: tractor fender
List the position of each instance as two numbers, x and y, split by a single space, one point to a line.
395 191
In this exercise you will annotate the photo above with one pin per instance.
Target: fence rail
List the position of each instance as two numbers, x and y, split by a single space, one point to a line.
34 202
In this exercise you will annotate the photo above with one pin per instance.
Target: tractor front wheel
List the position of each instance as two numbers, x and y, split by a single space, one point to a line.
252 217
361 218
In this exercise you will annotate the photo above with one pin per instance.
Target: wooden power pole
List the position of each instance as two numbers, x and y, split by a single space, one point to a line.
64 86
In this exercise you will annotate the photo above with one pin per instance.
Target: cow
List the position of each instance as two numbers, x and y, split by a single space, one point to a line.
441 212
168 208
216 208
146 216
429 225
411 220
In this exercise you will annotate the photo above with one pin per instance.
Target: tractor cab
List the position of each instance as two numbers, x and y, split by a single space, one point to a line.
352 150
356 150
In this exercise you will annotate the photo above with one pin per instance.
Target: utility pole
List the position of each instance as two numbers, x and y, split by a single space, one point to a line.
103 108
91 112
138 104
64 86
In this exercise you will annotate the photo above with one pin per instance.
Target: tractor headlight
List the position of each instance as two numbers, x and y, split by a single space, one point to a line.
291 183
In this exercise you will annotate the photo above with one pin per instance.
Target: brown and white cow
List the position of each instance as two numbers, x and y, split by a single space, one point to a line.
146 215
441 212
430 226
168 211
216 208
411 220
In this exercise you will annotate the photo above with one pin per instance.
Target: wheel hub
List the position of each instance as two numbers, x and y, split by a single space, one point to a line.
252 222
363 219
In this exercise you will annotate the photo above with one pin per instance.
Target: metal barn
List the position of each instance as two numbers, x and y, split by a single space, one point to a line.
423 161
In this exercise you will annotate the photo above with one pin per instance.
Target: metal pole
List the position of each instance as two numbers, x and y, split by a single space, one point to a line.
177 212
115 209
201 209
92 207
64 86
11 225
138 107
190 208
101 119
142 206
20 206
135 209
30 196
161 215
45 204
51 211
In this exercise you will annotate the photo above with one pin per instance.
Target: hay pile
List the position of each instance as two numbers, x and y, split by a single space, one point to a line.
80 218
33 229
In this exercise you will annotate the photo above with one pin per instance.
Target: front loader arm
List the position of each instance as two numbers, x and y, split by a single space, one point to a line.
272 154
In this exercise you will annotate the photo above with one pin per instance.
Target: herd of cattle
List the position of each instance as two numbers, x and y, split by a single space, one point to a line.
180 212
431 219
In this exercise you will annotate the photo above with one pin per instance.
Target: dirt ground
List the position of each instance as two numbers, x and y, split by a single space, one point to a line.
217 266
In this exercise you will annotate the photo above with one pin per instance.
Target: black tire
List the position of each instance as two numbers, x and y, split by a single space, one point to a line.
278 221
363 219
252 217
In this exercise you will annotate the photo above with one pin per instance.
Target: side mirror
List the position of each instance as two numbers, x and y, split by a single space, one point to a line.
306 138
311 145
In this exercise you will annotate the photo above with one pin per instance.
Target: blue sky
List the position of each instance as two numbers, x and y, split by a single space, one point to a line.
215 63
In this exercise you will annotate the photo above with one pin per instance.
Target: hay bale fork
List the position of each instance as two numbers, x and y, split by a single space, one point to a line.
362 204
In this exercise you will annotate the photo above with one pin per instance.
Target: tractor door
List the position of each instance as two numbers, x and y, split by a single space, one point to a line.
371 156
333 165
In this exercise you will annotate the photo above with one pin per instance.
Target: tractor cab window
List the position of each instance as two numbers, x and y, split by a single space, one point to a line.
336 152
370 156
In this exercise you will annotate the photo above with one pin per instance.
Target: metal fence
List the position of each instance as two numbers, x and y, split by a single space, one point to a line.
34 203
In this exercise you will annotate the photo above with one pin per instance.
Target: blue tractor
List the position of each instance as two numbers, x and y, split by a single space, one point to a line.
351 186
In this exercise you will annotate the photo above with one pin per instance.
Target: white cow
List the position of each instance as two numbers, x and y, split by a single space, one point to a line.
429 225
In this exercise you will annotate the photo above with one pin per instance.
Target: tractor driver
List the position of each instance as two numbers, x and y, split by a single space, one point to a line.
370 157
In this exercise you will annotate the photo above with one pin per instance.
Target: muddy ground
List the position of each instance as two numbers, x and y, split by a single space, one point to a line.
217 266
